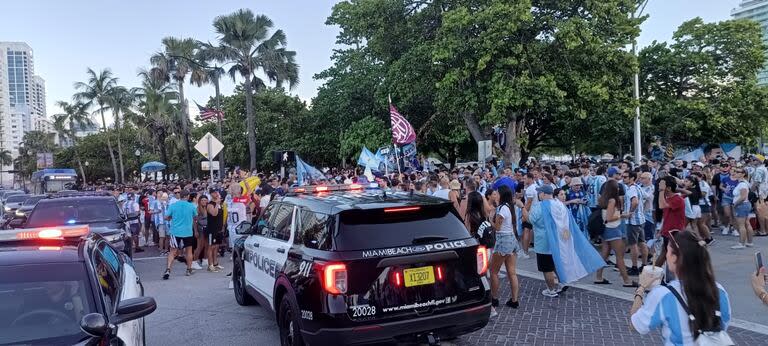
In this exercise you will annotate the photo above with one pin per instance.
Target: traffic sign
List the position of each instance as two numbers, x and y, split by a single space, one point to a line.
203 146
205 165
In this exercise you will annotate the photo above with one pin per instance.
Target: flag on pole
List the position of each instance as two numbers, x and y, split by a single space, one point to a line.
402 131
209 113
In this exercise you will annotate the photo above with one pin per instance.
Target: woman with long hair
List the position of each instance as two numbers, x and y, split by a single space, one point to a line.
507 246
693 196
741 208
612 235
705 204
707 301
201 224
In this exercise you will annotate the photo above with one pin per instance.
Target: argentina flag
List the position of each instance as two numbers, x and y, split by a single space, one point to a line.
572 253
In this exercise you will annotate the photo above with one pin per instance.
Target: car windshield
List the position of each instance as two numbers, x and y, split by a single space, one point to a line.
16 198
43 304
74 212
33 200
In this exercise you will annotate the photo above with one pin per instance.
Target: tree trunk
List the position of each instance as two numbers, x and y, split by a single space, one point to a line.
250 122
119 148
512 152
474 127
109 143
219 120
163 151
185 129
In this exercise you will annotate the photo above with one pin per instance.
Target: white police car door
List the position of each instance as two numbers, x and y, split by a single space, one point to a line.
114 277
275 246
255 264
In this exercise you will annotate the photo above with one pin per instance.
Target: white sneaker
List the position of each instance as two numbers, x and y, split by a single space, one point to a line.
724 231
196 266
205 262
549 293
738 246
493 312
735 233
749 245
524 255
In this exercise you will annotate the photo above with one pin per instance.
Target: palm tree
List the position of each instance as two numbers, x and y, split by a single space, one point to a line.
120 100
174 63
66 124
156 109
203 73
244 42
97 90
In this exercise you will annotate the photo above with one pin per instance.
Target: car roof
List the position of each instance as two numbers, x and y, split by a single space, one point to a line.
66 199
20 253
337 201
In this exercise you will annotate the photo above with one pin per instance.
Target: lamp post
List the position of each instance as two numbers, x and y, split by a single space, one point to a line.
638 141
138 162
86 168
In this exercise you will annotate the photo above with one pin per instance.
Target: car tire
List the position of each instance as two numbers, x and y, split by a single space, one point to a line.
238 282
288 323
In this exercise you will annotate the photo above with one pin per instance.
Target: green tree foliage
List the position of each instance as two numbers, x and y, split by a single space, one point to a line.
368 132
702 87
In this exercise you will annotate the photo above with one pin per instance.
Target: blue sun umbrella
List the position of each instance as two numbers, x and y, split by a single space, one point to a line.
152 166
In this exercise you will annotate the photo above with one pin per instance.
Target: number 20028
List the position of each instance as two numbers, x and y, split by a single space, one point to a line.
363 310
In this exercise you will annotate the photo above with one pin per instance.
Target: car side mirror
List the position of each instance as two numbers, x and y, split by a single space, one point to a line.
132 309
94 324
243 228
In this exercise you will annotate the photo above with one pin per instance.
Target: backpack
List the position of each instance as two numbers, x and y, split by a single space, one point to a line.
486 235
595 224
717 337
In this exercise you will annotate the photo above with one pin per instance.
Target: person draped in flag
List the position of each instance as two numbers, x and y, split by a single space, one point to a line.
561 248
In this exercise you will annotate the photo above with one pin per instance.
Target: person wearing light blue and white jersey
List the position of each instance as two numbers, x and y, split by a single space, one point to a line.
595 186
662 308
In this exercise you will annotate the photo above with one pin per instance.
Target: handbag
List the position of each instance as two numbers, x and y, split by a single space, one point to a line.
717 337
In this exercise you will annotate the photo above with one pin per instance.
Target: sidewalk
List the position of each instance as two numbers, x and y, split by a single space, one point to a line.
577 317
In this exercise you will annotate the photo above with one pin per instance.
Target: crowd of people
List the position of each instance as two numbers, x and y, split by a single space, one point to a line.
572 217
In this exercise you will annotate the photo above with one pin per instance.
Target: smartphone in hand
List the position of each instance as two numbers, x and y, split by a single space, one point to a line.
758 261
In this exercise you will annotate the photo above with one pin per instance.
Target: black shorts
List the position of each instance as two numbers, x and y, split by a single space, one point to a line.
215 238
182 242
545 263
527 225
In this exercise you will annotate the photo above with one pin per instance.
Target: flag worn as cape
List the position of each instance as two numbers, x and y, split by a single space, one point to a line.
572 253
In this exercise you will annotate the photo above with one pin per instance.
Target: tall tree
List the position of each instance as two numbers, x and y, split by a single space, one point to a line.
174 62
75 115
96 90
156 110
121 101
246 43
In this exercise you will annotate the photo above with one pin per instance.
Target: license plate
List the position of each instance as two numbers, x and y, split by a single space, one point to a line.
419 276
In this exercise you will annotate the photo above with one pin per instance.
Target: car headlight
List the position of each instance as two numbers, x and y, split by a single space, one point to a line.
7 208
113 237
20 213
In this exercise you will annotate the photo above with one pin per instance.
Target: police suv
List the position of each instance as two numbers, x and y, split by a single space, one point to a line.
347 265
68 286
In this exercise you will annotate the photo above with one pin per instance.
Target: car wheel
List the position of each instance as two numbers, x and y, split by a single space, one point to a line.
288 323
238 282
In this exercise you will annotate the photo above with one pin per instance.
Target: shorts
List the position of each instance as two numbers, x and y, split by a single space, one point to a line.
612 233
695 212
742 210
135 229
635 234
705 209
182 242
527 225
726 201
215 238
545 263
650 230
506 244
162 230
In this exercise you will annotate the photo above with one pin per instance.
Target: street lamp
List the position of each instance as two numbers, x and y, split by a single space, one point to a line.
638 141
138 162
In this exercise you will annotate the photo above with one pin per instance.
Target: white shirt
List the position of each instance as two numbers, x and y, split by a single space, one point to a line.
706 191
506 214
442 193
532 194
737 190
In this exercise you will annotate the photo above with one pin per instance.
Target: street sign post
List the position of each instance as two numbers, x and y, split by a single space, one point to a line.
209 146
206 165
484 149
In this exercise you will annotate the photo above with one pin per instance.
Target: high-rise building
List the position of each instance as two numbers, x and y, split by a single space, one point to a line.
756 10
22 98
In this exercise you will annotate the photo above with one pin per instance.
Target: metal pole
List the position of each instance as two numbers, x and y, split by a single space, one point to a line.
397 160
210 157
221 138
638 140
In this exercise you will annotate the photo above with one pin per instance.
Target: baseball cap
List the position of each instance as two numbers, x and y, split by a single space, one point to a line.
547 189
612 171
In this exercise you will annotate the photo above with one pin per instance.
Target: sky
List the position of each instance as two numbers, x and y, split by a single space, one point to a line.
68 36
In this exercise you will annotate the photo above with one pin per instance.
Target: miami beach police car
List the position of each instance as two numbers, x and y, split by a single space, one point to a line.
346 265
68 286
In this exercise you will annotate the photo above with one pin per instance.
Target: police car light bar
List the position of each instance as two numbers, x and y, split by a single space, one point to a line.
45 233
329 188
